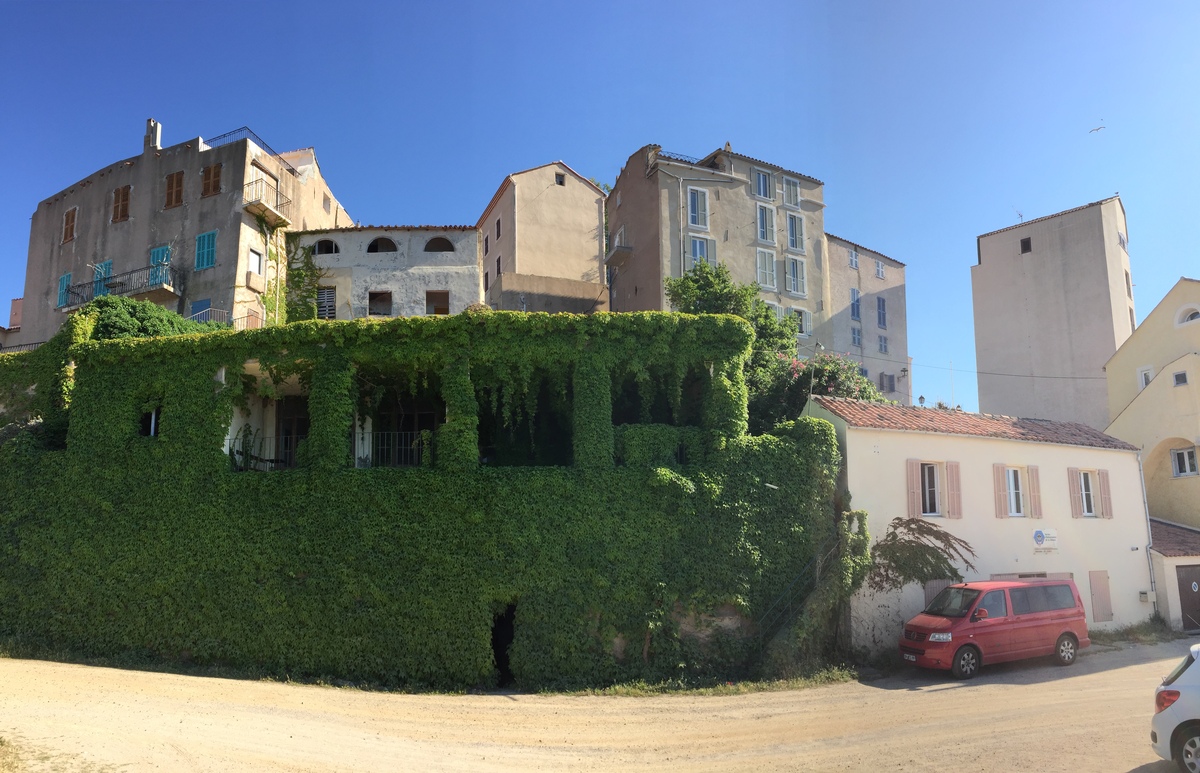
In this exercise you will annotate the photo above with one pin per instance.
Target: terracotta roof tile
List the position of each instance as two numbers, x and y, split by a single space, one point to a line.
351 228
1172 539
865 249
860 413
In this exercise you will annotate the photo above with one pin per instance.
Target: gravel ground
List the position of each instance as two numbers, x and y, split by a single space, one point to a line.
1031 716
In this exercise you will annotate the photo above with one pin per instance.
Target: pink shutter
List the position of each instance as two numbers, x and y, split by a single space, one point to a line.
1073 486
953 491
914 488
1106 508
1035 492
998 471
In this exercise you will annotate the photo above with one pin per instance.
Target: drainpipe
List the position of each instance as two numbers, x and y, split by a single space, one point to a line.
1149 533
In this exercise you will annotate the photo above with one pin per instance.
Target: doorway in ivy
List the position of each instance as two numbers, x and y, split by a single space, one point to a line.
502 639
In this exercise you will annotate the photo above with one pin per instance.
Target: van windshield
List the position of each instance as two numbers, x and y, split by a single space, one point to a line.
953 602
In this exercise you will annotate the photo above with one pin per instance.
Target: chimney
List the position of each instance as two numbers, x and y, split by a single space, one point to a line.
153 138
14 316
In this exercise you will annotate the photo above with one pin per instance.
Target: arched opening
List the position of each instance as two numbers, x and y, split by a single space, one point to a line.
382 245
439 244
326 247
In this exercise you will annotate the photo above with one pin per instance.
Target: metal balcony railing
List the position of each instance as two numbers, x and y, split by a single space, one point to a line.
264 454
395 449
264 192
134 282
20 348
211 315
244 133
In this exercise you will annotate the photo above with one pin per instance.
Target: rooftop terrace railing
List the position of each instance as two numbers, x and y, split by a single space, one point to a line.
244 133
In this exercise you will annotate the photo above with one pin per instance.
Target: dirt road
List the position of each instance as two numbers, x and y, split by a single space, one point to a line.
1030 716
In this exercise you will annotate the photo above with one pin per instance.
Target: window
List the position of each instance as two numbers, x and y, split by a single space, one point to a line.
206 250
702 251
485 281
879 269
853 258
560 178
100 275
497 228
797 277
766 224
883 345
887 383
620 241
1128 286
795 226
1145 376
864 372
69 224
210 182
201 310
160 265
1026 245
120 204
174 190
485 244
326 202
930 491
698 208
498 269
776 309
439 244
881 309
1181 378
256 262
766 269
803 322
150 422
382 244
437 302
64 290
855 305
326 247
791 192
379 304
993 602
856 336
1016 504
1132 323
326 303
1086 498
1121 240
1184 460
764 185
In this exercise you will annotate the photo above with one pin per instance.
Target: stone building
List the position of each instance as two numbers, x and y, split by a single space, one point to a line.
186 226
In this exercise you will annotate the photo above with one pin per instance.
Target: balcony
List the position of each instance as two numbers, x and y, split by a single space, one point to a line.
156 284
263 199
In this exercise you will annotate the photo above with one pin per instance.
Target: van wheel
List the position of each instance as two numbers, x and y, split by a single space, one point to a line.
1064 650
966 663
1187 749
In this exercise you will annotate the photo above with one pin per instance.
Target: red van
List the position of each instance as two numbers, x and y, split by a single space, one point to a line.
973 623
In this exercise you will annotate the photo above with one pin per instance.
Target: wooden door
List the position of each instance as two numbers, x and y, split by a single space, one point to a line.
1101 599
1189 596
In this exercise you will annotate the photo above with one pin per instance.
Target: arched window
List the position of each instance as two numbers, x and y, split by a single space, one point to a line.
1189 313
382 245
439 244
326 247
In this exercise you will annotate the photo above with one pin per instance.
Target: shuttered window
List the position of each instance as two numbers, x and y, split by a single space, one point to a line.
211 181
766 224
160 260
174 190
206 250
100 275
953 491
69 224
64 290
120 204
326 303
766 269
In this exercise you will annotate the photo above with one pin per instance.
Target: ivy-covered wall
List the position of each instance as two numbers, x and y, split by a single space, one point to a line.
156 544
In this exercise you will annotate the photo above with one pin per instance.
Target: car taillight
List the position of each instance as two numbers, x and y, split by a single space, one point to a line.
1165 698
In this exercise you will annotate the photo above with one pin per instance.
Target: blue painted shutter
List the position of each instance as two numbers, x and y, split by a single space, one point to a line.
64 286
160 260
206 250
102 272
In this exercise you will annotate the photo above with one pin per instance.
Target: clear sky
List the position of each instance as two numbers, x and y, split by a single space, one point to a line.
929 122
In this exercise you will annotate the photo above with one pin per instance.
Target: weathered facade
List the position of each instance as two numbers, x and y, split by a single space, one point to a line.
1053 301
395 271
186 226
542 242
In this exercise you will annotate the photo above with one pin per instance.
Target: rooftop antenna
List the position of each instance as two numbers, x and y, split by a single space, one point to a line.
1020 216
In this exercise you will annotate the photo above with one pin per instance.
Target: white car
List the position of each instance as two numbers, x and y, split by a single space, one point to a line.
1175 728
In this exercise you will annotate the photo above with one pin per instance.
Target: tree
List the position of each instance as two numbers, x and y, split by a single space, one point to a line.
780 390
914 550
121 317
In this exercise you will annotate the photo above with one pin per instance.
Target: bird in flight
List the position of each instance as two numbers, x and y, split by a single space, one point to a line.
1098 128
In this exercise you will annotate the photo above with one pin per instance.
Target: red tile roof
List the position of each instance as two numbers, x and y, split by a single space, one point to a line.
1047 217
860 413
864 249
1172 539
346 229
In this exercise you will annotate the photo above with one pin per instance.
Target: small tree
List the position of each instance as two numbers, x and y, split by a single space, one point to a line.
780 391
916 550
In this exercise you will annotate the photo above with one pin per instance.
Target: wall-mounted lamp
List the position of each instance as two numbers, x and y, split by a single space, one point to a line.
921 400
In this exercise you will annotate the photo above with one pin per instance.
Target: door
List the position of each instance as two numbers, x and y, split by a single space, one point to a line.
993 634
1189 596
1101 600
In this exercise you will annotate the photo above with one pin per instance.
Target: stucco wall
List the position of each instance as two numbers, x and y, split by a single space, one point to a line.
633 205
560 228
407 273
876 477
1060 310
521 292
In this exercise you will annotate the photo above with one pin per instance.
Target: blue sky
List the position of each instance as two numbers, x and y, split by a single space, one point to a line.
930 123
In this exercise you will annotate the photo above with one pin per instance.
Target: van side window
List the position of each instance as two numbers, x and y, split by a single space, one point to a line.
1020 601
993 602
1060 597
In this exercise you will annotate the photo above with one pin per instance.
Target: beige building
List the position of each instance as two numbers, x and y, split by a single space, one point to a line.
395 271
868 317
542 242
1033 498
1154 404
178 225
766 224
1053 300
